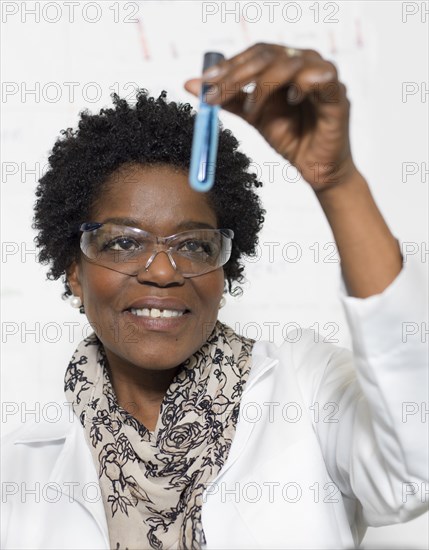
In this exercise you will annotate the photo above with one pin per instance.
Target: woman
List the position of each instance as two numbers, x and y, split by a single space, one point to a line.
156 451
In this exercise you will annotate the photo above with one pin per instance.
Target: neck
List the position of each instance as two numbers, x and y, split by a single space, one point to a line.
140 391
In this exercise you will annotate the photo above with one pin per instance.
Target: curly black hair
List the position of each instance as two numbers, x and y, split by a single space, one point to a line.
150 132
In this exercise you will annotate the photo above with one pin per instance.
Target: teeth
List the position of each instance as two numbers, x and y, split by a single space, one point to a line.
155 313
170 313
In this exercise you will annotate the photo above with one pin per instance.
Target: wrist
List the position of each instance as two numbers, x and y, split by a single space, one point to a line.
350 183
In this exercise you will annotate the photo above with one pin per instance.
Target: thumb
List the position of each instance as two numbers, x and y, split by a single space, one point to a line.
193 85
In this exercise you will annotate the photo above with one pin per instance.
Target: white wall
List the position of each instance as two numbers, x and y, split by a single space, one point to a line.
116 46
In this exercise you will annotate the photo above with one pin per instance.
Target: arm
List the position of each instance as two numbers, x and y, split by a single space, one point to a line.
372 453
304 115
375 446
370 255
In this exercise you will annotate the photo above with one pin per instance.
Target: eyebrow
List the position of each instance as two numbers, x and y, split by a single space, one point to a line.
182 226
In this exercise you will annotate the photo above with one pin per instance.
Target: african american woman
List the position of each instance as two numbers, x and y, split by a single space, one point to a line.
153 452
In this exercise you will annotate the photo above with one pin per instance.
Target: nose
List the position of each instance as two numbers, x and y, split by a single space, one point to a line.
160 270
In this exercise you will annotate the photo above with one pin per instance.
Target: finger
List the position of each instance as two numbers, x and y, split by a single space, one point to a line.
242 70
218 71
247 68
193 85
267 67
306 76
318 82
282 74
229 85
234 106
261 49
276 76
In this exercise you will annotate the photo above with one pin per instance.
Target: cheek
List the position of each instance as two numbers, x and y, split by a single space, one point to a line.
210 289
100 289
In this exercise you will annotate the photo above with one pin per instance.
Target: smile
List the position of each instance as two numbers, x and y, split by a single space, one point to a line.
155 313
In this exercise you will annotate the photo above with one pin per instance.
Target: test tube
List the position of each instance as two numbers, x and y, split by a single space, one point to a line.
205 139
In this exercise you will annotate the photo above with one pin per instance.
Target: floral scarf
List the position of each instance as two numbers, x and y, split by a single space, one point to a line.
152 483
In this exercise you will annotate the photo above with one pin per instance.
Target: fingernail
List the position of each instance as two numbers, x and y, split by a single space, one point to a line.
213 72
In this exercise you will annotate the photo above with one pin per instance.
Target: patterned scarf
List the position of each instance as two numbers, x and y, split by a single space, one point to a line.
152 482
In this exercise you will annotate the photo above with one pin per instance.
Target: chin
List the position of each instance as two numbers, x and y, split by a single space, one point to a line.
157 358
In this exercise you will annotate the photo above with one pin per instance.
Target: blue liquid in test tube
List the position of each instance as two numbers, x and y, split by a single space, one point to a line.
205 138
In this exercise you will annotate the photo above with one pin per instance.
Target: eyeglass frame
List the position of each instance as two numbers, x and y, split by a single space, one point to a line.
84 228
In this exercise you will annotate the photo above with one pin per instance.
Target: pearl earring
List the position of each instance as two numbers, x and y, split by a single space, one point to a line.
75 302
222 302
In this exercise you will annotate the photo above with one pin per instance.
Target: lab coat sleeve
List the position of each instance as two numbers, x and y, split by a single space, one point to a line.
375 437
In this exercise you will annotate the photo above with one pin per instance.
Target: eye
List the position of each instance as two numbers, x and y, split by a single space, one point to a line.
197 247
123 244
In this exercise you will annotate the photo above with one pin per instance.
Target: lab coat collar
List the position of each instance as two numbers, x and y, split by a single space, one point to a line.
74 473
49 430
76 463
260 365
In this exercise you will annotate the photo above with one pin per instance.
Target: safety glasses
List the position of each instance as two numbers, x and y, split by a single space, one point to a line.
128 249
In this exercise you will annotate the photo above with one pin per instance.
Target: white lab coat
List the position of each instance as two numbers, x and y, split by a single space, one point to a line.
327 443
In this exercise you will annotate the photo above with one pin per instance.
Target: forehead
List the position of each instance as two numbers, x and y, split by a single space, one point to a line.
159 198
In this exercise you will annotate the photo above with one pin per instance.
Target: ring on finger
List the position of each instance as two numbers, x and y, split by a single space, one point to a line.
249 88
250 97
292 52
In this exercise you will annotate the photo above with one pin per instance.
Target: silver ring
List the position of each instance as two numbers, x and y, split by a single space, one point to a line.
292 52
249 88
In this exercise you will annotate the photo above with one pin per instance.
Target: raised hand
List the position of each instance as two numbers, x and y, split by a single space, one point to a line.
297 104
300 107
